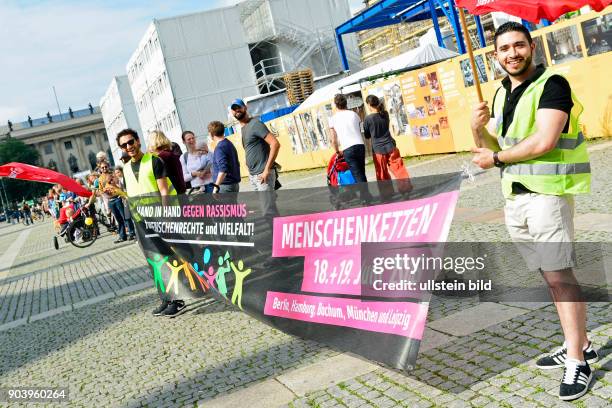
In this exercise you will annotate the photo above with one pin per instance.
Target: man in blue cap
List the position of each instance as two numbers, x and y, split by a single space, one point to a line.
260 147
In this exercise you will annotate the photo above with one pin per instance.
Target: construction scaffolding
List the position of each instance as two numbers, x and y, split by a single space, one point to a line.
278 45
379 44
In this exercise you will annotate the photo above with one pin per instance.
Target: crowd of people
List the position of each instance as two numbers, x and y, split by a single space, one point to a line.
24 212
206 167
202 169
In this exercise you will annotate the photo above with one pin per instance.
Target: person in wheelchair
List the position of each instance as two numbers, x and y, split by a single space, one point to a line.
67 215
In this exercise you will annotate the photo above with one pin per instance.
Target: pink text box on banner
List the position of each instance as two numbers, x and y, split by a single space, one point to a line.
330 242
400 318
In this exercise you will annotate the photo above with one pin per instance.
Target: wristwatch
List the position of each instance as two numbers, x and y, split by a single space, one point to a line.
496 161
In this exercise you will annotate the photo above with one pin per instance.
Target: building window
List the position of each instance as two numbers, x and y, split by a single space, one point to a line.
68 145
48 148
88 141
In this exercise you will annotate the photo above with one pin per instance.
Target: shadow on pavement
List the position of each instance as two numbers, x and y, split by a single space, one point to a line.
55 333
18 304
86 255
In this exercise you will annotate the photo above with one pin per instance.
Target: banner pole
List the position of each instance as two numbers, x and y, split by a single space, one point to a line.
468 46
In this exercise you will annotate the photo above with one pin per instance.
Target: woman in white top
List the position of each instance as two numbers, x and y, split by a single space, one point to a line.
345 128
197 164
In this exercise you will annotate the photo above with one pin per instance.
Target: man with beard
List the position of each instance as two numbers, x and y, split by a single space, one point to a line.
261 148
534 137
145 175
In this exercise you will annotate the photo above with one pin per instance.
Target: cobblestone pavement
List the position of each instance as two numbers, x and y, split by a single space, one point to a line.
66 322
42 279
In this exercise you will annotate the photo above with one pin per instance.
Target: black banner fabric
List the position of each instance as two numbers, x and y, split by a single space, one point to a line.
292 258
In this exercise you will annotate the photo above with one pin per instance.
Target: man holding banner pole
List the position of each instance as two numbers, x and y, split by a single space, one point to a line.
145 174
534 137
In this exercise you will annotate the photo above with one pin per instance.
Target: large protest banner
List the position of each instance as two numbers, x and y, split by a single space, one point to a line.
292 258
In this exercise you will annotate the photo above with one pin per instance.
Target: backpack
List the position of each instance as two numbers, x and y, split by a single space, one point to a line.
339 172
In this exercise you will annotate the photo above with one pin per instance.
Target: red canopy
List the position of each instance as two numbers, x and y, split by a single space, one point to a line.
28 172
531 10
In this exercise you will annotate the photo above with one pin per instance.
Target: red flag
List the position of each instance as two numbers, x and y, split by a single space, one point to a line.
532 10
28 172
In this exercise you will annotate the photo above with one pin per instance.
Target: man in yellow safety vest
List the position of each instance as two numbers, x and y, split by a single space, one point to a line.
534 137
145 174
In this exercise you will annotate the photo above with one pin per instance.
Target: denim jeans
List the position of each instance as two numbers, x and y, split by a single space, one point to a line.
267 196
229 188
116 206
355 158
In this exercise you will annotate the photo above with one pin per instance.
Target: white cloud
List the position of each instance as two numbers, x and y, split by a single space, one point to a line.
75 46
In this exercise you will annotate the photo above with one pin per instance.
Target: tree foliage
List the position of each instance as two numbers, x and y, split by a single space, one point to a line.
13 150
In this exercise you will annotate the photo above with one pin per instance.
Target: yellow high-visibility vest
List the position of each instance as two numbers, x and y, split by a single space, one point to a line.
565 169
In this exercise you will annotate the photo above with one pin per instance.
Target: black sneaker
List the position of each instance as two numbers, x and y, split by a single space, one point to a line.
174 309
557 359
118 241
160 309
576 380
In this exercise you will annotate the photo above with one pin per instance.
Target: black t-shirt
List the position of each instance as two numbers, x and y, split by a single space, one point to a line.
557 94
376 126
159 168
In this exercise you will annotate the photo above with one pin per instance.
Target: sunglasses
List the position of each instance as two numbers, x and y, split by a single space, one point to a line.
128 143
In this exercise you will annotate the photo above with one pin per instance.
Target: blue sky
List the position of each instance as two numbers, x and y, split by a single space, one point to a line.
76 46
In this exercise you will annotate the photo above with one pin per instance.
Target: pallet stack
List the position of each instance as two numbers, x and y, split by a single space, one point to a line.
299 84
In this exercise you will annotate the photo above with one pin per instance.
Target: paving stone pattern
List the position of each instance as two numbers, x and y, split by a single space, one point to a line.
42 279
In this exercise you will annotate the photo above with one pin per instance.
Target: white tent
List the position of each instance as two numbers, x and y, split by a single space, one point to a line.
422 55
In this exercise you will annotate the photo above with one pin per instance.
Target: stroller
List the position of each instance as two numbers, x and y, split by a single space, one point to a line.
338 176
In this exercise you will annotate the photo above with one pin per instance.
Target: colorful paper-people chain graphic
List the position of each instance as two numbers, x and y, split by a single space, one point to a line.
207 277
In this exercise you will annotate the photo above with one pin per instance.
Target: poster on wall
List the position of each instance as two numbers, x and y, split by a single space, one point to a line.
564 45
540 53
316 139
303 133
427 111
468 75
294 137
324 114
598 35
495 69
309 131
393 98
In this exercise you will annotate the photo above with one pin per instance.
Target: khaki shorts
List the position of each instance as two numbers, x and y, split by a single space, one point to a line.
542 226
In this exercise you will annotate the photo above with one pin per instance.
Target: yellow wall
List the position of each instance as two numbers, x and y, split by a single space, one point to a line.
588 76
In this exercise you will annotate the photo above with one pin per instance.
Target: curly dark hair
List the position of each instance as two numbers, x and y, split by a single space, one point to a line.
509 27
127 132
